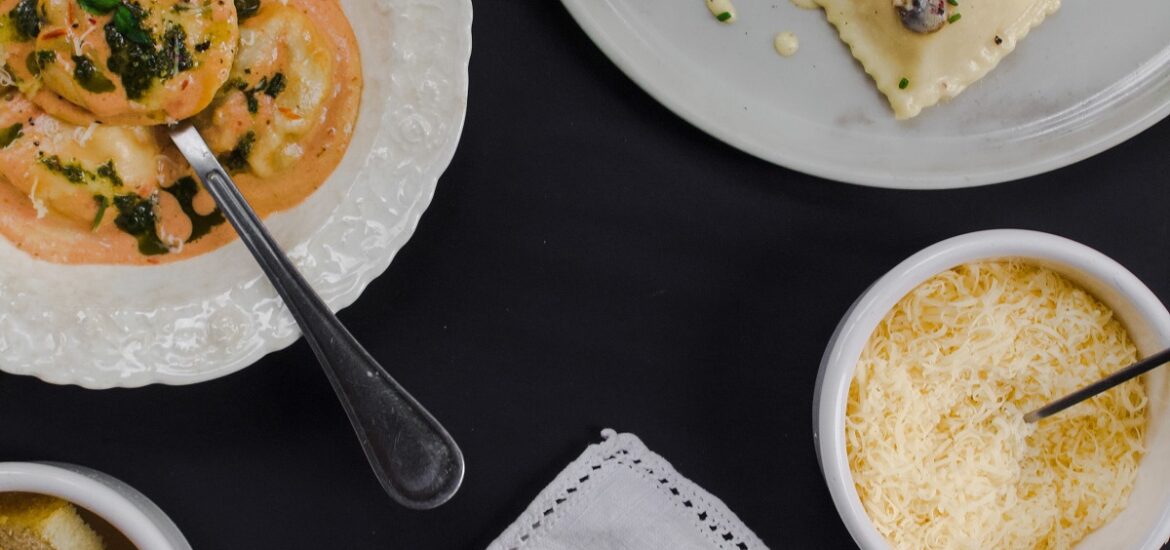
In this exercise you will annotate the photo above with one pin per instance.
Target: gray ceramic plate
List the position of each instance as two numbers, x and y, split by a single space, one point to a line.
1084 81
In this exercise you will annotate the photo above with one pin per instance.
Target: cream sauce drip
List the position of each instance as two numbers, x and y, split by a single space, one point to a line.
786 43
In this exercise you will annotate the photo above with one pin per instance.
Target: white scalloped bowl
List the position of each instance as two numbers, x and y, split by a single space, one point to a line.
120 505
192 321
1145 523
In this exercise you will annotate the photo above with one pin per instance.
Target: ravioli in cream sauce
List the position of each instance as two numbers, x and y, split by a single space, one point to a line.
87 175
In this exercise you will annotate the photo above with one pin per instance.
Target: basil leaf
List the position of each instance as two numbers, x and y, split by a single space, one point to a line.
99 7
129 24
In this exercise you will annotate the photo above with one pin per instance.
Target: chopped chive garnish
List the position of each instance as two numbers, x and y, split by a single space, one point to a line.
103 204
954 18
723 16
905 83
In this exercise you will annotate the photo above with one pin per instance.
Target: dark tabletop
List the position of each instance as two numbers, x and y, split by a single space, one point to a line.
590 261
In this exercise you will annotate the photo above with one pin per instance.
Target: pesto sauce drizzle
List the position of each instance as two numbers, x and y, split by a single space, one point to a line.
184 190
136 56
89 77
175 49
236 160
25 19
271 87
275 86
72 172
247 8
10 134
78 175
109 173
132 61
38 60
136 217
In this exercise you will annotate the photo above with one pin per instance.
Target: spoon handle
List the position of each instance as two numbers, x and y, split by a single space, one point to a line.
1101 386
414 458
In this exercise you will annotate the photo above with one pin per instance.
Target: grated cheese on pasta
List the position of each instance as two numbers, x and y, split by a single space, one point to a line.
940 453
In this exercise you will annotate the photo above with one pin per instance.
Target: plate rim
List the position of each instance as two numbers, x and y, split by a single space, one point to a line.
587 12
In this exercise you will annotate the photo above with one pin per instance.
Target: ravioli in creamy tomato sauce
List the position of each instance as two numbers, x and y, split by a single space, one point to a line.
87 173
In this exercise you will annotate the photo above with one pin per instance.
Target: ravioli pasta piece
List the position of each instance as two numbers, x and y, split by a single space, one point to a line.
117 186
916 71
277 95
72 171
144 62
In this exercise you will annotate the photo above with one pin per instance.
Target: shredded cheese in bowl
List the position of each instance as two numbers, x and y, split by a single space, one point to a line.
937 445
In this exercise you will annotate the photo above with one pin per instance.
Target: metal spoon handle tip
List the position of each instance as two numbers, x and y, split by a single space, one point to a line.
414 458
1105 384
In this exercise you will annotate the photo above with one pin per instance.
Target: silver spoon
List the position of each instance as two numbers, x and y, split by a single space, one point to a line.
413 457
1116 379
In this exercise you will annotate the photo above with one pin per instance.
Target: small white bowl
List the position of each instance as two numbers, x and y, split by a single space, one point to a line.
1145 523
139 519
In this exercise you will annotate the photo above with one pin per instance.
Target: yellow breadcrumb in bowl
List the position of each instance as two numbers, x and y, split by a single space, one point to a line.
46 506
29 521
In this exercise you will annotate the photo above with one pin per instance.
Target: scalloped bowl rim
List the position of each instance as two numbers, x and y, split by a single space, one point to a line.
375 265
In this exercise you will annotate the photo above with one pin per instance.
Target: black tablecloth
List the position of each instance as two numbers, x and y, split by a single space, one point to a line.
590 261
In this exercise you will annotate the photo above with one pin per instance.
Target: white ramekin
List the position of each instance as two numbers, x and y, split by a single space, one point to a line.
1145 523
139 519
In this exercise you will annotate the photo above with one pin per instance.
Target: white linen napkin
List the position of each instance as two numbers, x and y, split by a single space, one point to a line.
619 495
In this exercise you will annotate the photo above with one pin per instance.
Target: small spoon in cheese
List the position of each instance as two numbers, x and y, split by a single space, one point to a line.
1109 382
